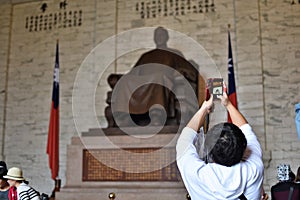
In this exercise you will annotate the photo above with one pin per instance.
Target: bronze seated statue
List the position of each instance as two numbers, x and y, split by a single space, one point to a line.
151 92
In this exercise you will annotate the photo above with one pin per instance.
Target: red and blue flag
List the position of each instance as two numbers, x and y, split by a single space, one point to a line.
53 133
231 80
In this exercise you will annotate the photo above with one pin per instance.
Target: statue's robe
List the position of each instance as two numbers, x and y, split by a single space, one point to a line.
152 67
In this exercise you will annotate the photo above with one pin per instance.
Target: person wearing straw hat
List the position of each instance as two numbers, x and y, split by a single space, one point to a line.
24 191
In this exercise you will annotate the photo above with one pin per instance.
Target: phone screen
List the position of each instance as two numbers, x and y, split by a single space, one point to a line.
215 86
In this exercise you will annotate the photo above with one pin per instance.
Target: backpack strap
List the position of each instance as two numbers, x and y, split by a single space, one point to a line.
291 193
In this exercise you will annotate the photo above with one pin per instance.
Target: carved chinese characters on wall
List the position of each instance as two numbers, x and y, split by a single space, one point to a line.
47 21
163 8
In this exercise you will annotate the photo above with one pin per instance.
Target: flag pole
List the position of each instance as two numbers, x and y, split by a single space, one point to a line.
57 181
206 124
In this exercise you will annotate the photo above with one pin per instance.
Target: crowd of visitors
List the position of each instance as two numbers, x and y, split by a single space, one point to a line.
13 185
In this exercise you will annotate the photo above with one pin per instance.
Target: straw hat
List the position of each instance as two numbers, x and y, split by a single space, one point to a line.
14 173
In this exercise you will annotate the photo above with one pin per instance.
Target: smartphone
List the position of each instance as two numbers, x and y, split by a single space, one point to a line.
215 87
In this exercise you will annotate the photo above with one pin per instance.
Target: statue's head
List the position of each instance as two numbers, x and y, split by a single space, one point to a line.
161 36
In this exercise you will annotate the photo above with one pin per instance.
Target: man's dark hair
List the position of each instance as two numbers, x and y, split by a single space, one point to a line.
298 175
226 144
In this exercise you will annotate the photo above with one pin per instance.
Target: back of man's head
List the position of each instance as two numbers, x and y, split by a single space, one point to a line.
226 144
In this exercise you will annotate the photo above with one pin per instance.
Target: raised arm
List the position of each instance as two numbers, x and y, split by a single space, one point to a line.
237 118
198 119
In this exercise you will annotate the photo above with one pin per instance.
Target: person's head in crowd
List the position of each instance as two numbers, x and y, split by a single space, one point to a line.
14 176
298 175
284 173
3 169
3 172
226 144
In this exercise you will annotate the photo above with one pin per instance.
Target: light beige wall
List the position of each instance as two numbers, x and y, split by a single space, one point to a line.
280 50
265 40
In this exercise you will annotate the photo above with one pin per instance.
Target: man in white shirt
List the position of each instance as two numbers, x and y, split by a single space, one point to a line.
237 168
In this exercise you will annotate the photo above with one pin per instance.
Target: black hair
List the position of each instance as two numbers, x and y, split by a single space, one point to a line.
226 144
3 169
298 175
292 176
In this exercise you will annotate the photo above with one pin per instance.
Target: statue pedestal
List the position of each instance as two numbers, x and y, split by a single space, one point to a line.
138 191
138 167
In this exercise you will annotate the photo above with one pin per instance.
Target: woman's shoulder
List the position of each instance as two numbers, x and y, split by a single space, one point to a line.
25 190
23 187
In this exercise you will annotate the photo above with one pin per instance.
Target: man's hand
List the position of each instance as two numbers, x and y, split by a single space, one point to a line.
236 117
208 105
224 98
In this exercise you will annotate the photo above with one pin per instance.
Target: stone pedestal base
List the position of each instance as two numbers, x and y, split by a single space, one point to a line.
98 165
128 193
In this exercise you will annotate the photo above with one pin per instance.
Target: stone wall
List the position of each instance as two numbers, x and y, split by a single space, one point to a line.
265 40
280 57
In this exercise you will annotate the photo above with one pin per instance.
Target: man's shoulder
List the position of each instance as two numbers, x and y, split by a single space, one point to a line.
246 127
